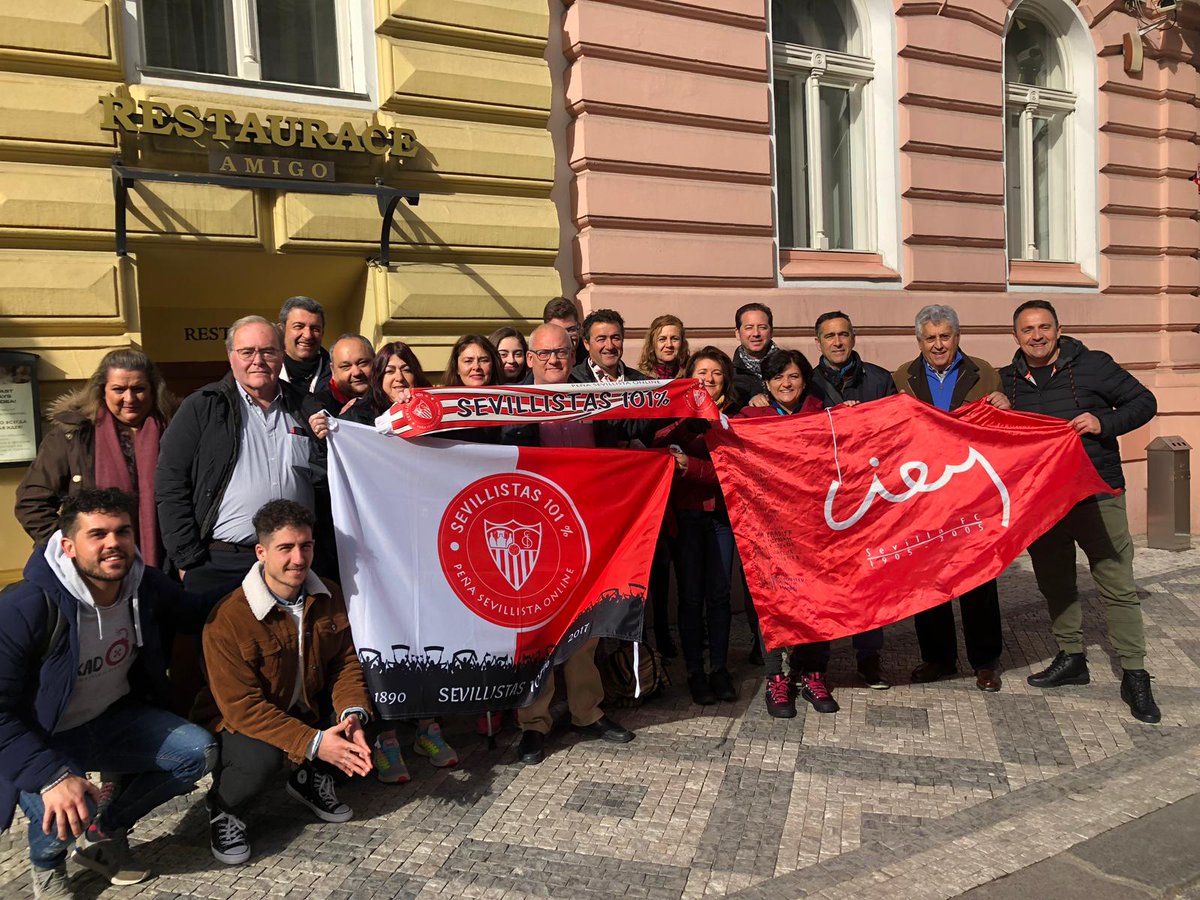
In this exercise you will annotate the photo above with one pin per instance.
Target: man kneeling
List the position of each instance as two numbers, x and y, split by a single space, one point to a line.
83 687
280 661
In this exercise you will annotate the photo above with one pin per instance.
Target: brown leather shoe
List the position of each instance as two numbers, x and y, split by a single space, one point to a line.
927 672
987 680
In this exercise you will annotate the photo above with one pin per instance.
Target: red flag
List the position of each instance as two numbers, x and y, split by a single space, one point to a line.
852 518
446 409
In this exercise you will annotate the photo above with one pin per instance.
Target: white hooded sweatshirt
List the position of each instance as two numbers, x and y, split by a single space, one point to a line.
109 638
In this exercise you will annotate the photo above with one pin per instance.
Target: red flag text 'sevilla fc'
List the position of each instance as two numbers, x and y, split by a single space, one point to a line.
857 517
470 569
445 409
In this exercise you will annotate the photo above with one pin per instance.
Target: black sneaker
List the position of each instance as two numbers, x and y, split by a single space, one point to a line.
779 697
1135 690
1065 668
702 694
870 670
722 685
816 694
227 838
314 789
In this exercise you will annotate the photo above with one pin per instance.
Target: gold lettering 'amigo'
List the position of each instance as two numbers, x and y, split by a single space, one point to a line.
188 121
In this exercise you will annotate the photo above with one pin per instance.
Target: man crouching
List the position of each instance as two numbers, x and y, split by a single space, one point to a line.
280 662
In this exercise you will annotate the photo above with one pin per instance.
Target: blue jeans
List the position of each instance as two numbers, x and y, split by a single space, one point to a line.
166 756
705 570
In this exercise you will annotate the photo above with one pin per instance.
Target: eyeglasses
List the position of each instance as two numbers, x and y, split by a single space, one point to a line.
573 330
557 353
268 354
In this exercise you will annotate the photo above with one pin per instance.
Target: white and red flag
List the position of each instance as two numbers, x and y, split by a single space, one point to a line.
448 408
856 517
470 569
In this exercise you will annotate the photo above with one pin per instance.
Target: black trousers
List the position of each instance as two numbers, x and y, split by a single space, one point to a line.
223 570
245 769
980 611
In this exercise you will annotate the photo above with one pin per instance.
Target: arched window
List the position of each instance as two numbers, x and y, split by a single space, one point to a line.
1050 134
822 70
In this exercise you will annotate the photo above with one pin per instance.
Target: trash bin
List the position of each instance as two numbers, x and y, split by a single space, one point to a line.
1168 489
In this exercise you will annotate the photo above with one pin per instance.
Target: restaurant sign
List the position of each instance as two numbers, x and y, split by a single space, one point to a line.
187 120
270 167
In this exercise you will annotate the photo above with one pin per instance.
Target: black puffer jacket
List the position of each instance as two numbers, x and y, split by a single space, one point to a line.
859 381
196 461
1085 381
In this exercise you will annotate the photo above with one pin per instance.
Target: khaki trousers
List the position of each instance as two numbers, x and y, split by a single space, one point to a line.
1101 529
585 693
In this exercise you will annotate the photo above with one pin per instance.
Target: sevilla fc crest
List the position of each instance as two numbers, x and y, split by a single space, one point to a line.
425 412
513 548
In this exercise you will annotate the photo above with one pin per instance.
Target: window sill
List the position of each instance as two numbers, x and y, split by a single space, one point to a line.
1044 273
834 264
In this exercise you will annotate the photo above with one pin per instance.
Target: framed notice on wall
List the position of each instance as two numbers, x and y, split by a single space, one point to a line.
20 411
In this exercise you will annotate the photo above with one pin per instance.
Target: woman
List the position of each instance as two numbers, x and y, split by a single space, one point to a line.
788 377
665 351
664 356
106 434
473 363
513 352
395 371
705 563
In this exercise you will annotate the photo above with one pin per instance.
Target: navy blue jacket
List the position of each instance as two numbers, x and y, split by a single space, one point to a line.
32 700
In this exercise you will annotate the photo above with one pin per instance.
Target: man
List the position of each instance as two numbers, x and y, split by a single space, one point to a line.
754 326
841 377
350 358
604 341
280 662
943 376
561 312
234 445
85 688
302 324
1058 376
550 358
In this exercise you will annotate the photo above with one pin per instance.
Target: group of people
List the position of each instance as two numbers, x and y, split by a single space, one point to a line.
157 521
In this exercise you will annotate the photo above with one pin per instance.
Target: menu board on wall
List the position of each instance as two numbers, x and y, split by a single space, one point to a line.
20 425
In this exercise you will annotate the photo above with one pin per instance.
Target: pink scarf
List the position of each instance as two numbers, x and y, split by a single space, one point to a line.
111 472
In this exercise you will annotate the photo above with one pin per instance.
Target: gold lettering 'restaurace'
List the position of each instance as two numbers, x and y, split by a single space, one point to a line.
188 121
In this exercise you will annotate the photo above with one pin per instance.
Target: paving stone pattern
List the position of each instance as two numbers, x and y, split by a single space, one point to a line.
920 791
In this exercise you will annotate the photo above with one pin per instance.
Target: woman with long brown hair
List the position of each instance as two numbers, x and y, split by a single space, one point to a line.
665 350
105 434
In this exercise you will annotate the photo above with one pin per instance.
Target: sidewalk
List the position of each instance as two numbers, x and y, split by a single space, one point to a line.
923 791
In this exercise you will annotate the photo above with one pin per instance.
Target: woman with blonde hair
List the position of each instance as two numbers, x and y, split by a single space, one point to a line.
665 351
105 434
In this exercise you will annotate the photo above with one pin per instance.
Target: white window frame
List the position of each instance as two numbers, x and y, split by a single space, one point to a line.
810 69
876 165
1074 200
1028 103
356 57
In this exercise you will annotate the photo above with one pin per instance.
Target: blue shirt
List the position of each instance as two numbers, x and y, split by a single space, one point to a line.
941 385
273 463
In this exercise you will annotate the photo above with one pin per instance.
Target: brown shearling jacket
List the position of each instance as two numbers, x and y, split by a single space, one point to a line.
251 658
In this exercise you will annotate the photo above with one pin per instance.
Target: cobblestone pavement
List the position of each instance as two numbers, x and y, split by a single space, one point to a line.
920 791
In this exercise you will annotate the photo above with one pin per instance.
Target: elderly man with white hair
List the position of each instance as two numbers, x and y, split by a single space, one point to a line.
234 445
945 377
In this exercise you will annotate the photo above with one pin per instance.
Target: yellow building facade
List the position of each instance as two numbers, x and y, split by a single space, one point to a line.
453 98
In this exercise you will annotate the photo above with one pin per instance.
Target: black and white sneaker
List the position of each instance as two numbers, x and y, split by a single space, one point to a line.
227 836
314 789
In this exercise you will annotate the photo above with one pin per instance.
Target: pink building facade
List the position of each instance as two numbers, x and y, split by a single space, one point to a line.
876 156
